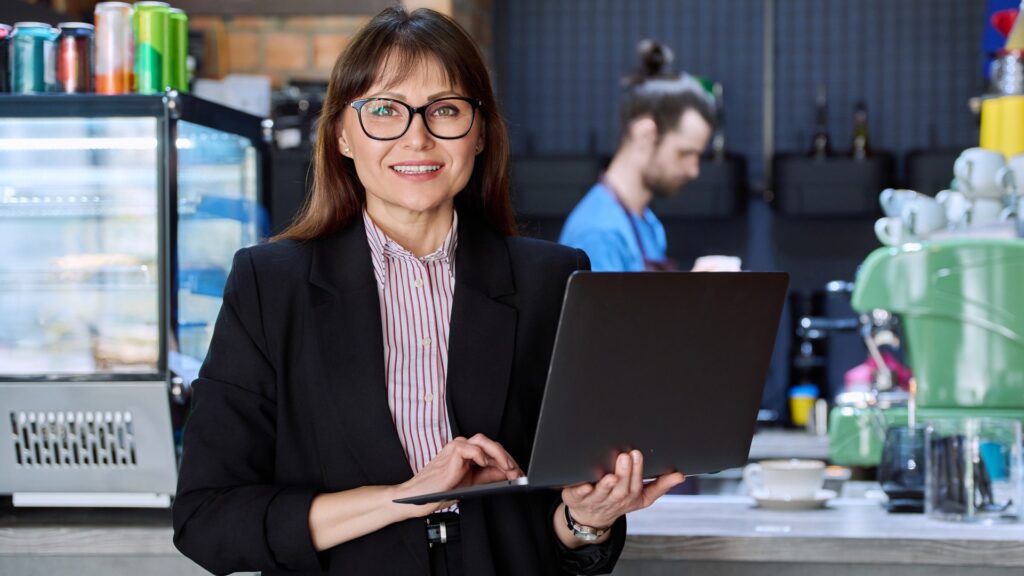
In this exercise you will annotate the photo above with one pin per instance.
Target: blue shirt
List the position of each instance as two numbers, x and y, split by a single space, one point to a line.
600 227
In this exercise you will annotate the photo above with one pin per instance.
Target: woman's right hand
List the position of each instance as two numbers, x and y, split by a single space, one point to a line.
461 462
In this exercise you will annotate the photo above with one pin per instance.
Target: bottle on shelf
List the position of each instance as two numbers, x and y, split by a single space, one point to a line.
859 148
820 147
718 139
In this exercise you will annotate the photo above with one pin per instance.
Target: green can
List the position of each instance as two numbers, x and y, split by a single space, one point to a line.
176 61
150 23
33 52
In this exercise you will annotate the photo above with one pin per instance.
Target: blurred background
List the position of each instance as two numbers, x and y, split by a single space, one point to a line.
798 81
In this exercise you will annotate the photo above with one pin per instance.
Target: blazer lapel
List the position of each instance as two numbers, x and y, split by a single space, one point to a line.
481 346
353 407
482 336
353 392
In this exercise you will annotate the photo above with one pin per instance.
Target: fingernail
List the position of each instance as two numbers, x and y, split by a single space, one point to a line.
510 465
636 455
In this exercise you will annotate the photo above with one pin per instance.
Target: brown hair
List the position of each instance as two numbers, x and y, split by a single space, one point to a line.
387 49
665 96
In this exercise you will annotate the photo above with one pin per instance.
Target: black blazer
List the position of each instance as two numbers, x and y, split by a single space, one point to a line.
291 402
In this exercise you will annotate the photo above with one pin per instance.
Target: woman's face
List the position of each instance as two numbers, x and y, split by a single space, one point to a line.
417 173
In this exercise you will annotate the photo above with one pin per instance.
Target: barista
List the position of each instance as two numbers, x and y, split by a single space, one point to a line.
667 120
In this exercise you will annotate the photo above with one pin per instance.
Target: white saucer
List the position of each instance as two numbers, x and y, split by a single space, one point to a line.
765 500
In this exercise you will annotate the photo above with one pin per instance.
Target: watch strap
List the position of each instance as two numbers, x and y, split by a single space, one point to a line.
581 531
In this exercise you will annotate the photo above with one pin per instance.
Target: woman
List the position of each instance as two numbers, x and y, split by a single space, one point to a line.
331 387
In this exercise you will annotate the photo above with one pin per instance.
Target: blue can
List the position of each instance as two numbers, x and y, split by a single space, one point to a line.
33 55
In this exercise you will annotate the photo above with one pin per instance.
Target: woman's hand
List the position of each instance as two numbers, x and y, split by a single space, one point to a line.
462 462
598 505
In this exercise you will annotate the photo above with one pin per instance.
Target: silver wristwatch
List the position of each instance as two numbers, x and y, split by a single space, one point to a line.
585 533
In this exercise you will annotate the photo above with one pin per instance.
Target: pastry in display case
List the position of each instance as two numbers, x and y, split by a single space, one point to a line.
119 217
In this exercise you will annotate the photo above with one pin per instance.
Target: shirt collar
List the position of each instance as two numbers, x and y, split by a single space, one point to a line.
647 215
383 248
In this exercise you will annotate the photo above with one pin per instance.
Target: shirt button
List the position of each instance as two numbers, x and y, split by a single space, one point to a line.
426 341
418 283
428 397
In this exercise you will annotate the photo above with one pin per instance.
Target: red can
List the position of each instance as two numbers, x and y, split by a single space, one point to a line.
5 79
75 58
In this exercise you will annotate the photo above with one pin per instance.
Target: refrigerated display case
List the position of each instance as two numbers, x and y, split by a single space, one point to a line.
119 216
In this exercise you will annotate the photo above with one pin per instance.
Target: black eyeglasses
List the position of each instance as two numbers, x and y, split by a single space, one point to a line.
448 118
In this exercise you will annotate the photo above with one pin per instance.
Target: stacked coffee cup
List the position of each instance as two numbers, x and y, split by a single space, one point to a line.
988 193
1011 178
987 189
909 217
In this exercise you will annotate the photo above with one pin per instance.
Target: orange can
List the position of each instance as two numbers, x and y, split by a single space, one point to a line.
115 48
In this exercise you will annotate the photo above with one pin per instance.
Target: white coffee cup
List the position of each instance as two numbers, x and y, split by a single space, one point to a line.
892 231
785 479
919 217
923 215
717 263
1011 176
986 212
957 206
1013 212
975 169
892 200
1019 213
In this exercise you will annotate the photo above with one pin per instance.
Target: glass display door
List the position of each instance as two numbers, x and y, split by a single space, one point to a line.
79 247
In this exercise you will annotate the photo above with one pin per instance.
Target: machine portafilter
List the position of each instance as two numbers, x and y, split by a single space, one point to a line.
878 328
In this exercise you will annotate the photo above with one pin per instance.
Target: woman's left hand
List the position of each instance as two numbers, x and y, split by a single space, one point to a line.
600 504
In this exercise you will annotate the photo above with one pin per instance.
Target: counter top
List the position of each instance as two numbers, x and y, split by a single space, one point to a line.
88 532
855 531
782 443
707 528
90 542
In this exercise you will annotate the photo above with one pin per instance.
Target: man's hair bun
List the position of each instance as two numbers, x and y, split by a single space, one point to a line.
655 61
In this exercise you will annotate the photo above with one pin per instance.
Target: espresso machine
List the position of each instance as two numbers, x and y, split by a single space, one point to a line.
960 310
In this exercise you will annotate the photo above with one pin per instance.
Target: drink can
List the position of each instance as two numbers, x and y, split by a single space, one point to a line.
176 68
33 54
75 58
115 51
150 22
5 72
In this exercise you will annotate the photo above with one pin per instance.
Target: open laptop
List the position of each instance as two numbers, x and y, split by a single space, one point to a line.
670 363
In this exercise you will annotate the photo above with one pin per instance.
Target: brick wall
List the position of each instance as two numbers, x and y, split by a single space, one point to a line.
305 47
284 48
473 15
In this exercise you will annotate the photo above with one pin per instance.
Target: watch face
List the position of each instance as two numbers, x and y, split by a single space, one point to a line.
586 536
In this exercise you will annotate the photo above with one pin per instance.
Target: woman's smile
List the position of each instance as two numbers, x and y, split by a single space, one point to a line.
418 170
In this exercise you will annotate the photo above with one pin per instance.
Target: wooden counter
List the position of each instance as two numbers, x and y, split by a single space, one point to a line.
90 542
704 535
727 535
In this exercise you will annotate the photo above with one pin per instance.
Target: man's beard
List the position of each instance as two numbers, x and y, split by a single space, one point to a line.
662 187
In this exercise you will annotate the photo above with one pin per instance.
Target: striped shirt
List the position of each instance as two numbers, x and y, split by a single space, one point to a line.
415 309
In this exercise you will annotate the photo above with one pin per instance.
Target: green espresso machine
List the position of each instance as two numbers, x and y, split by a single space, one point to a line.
960 303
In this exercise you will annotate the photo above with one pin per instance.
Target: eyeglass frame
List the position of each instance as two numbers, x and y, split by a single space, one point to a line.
474 103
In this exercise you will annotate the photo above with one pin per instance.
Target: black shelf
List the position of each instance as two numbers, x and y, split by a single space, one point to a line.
834 186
